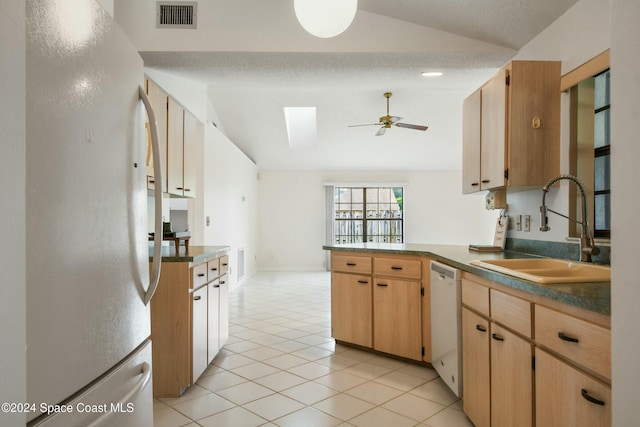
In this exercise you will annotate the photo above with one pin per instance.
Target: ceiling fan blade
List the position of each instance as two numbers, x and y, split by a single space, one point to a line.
366 124
394 119
381 131
408 126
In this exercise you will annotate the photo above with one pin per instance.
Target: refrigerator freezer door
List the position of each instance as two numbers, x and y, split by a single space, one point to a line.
122 398
87 249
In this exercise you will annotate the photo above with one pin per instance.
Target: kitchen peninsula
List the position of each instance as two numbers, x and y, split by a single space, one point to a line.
532 354
189 315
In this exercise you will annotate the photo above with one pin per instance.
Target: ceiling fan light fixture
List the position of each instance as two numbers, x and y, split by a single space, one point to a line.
325 18
432 74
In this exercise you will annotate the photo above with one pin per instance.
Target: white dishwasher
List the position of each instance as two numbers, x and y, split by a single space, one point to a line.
446 334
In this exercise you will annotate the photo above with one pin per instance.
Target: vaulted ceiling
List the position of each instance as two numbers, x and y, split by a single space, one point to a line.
258 60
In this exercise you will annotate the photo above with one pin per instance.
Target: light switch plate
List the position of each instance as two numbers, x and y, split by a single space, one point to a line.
518 222
527 223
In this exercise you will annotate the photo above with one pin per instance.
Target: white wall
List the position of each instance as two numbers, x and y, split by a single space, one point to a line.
577 36
13 306
625 175
230 200
292 213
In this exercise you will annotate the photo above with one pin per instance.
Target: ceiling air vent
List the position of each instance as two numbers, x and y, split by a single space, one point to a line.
174 14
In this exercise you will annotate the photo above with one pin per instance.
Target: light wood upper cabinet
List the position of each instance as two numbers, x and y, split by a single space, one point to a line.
193 134
158 99
175 146
471 115
180 136
519 128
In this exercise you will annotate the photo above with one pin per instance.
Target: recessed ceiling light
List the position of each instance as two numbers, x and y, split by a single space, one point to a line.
432 74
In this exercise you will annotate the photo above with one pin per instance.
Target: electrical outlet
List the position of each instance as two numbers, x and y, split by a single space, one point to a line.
518 222
527 223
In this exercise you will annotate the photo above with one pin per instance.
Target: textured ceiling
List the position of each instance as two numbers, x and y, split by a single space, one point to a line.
345 78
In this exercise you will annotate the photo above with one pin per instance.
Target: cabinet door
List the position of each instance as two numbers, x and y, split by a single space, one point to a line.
192 136
565 397
471 115
158 99
351 306
397 317
199 333
476 387
511 379
175 147
493 132
223 309
213 320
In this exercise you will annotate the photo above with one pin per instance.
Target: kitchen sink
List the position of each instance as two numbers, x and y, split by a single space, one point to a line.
548 270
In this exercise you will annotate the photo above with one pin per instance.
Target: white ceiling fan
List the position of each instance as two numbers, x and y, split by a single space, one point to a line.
387 121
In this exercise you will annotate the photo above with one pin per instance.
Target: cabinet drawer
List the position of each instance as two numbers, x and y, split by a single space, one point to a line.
198 275
398 267
213 269
351 263
224 264
512 312
475 296
584 343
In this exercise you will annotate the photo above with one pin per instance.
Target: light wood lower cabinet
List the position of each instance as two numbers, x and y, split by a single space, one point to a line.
351 308
189 324
556 377
476 368
397 317
511 379
566 397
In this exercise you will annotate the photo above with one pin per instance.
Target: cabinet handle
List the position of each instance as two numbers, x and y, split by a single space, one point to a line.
179 188
222 282
214 269
591 399
364 282
225 264
497 337
475 184
152 182
351 264
216 286
485 181
564 337
197 298
200 274
187 189
382 284
481 328
393 267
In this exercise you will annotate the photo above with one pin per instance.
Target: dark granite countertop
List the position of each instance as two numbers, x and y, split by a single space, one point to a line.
591 296
195 255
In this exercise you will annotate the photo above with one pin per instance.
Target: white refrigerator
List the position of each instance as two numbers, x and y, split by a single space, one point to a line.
88 323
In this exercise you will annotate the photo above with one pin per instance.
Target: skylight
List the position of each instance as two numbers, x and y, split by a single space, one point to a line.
301 127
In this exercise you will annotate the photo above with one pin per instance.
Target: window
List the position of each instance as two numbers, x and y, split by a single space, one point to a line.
591 148
602 156
368 214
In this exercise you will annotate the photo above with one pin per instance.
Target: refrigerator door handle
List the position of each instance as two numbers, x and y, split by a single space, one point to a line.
157 176
122 403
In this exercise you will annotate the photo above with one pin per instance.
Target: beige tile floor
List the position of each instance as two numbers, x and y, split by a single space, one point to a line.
282 368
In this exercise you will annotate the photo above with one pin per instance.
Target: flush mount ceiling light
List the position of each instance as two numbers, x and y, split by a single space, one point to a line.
432 74
325 18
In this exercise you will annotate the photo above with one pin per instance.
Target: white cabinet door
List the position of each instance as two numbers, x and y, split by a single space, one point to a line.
199 333
213 320
224 310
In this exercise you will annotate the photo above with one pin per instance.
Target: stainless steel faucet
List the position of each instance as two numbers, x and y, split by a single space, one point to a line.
587 247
